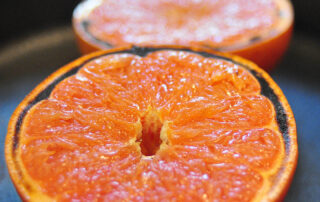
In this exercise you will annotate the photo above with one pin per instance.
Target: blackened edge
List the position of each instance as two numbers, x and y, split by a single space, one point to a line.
281 116
85 24
44 94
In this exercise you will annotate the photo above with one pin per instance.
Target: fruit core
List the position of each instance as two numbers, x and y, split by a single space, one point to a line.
150 140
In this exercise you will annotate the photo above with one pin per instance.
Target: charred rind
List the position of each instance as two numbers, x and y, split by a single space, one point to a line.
266 90
281 116
85 24
143 51
41 96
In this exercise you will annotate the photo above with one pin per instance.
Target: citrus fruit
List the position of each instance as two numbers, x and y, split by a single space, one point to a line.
153 124
257 30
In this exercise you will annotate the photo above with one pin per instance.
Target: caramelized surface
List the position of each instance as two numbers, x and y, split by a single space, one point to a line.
214 23
90 139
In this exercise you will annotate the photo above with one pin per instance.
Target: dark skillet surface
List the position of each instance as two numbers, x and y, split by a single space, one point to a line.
25 63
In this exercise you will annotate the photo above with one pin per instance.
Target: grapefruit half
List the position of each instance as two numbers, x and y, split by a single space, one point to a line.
153 124
257 30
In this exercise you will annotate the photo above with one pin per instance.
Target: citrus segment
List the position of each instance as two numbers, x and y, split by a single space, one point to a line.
257 147
234 112
204 177
168 125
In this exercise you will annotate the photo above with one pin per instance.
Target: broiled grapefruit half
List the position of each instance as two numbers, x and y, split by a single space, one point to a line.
153 124
254 29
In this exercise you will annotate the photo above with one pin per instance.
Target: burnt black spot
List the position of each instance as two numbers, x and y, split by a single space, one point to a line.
281 13
255 39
